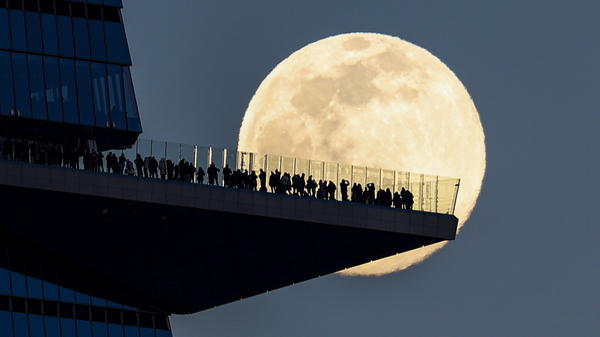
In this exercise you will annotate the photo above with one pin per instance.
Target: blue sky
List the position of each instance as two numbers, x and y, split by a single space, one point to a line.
525 263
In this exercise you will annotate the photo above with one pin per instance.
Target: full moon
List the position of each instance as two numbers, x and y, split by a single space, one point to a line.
371 100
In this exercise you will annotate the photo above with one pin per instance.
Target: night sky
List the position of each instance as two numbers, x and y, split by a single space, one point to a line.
524 264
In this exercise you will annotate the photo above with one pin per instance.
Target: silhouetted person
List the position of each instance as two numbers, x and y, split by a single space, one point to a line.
311 186
200 175
162 167
32 152
7 149
122 161
227 176
139 165
213 174
263 180
253 181
100 157
170 170
331 190
344 189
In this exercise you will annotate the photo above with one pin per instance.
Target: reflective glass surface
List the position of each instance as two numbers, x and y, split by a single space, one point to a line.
82 38
50 34
65 36
21 84
17 29
97 41
4 29
34 32
68 90
36 83
84 92
53 89
7 99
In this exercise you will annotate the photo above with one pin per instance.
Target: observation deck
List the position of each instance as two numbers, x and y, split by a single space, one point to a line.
184 246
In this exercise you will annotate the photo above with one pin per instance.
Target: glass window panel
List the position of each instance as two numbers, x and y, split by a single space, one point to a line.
100 94
100 329
115 330
52 326
17 29
6 321
18 284
99 2
34 287
66 292
7 98
36 325
188 152
36 85
331 175
67 326
302 167
359 175
4 281
50 291
84 328
345 173
273 164
133 117
65 35
84 92
400 181
21 327
21 81
116 3
34 32
50 34
146 332
116 43
82 39
68 90
116 97
387 180
163 333
97 41
4 29
53 89
131 331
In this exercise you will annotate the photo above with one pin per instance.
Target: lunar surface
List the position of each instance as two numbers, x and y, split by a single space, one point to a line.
371 100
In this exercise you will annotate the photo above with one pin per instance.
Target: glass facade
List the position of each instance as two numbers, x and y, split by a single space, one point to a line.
38 299
66 62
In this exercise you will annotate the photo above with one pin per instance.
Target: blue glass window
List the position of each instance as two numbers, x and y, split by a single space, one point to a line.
116 98
7 98
163 333
97 40
100 94
21 327
147 332
84 92
69 90
36 325
4 281
34 32
67 325
99 2
4 29
115 330
34 287
82 39
116 43
84 328
50 34
18 284
65 289
65 35
53 89
131 331
17 29
133 117
52 327
6 321
100 329
36 84
21 81
116 3
50 291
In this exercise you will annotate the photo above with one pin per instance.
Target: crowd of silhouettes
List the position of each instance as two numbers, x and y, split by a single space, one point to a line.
150 167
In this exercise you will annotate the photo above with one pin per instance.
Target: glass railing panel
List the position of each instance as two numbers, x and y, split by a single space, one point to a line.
202 157
374 177
345 177
273 164
359 176
401 180
287 165
243 161
230 158
330 174
316 170
445 198
301 166
416 188
159 149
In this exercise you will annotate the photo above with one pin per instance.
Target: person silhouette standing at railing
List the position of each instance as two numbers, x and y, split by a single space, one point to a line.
263 180
213 174
344 189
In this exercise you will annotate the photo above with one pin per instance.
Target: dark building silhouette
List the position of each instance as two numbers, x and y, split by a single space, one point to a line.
88 253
